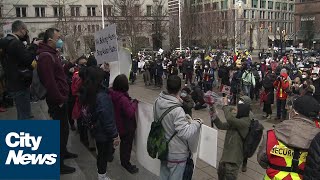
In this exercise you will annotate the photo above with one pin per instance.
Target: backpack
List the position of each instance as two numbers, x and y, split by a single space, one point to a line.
37 88
157 145
252 140
88 119
3 56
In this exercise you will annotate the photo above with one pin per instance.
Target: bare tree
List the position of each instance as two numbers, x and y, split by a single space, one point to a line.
130 20
159 23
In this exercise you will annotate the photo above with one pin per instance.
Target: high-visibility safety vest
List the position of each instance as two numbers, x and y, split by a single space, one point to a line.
284 163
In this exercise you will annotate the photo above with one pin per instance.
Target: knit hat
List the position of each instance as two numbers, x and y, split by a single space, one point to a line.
307 106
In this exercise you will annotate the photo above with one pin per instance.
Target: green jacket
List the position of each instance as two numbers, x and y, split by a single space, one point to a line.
233 143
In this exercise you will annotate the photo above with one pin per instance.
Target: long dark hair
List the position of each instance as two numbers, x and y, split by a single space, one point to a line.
91 84
121 83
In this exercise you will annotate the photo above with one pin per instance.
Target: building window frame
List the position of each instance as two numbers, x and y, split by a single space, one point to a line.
21 11
58 11
91 10
40 11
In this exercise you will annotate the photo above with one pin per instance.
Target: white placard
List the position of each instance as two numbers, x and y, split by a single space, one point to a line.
106 44
208 145
144 119
7 29
120 67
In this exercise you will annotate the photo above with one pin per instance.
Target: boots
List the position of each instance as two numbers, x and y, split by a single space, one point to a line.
103 177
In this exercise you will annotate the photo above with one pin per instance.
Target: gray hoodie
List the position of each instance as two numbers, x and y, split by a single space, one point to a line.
175 121
297 132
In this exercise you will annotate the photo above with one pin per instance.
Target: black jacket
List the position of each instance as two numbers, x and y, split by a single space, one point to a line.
18 58
106 128
316 94
312 167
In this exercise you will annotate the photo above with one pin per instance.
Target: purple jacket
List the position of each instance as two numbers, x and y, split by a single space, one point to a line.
51 75
124 111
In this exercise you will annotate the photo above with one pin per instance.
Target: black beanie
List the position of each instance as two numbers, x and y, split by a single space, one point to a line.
243 110
307 106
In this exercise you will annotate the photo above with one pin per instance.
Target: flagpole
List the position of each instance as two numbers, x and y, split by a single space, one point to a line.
102 14
180 38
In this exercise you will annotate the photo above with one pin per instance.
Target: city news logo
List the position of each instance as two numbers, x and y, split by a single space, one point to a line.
29 149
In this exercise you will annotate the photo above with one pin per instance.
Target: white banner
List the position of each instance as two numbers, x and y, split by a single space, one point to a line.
208 145
106 44
120 67
7 29
144 119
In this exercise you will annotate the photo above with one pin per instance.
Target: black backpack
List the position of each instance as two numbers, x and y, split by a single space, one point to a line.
252 140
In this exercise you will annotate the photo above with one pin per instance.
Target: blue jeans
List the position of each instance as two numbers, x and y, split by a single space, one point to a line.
246 90
22 101
172 171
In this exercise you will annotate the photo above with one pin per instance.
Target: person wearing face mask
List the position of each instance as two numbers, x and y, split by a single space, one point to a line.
17 66
237 126
188 102
316 84
52 76
294 73
284 149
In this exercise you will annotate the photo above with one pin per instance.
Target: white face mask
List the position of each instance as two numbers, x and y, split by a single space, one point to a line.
240 102
315 78
304 76
183 94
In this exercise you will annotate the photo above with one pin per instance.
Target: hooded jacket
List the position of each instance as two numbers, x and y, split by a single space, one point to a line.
297 132
281 86
312 166
124 111
51 75
233 144
175 121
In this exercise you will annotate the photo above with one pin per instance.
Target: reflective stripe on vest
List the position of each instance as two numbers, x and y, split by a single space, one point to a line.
280 155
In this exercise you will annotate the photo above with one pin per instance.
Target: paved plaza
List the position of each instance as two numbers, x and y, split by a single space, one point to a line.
85 164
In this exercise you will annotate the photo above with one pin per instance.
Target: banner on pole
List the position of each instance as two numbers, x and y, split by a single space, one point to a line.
106 43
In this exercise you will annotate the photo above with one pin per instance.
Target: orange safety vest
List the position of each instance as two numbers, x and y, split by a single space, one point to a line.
284 163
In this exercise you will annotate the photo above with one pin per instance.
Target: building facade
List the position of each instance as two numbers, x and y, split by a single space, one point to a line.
239 24
307 23
78 20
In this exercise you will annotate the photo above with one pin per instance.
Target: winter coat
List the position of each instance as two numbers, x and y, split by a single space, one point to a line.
175 121
233 144
316 84
188 104
75 89
19 58
103 115
236 82
312 166
124 112
52 75
159 70
281 86
188 66
248 78
289 132
223 74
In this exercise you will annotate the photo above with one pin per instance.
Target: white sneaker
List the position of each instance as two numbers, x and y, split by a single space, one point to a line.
103 177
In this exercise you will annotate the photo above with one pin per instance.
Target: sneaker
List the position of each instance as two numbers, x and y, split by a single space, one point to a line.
64 169
268 116
103 177
70 155
244 168
131 168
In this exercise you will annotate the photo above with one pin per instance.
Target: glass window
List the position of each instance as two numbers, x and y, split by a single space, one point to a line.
291 7
278 5
284 6
270 4
149 10
254 3
262 4
21 11
215 6
252 14
79 28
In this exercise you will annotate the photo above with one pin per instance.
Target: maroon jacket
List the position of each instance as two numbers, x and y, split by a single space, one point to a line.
51 75
124 112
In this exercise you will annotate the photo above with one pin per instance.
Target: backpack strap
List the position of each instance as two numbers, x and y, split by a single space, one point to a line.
167 111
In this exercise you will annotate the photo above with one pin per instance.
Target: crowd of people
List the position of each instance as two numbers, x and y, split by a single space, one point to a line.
79 96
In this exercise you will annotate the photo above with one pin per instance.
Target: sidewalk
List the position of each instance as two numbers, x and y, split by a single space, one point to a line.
86 162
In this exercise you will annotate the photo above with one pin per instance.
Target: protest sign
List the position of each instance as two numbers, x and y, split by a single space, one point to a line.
7 29
144 117
208 147
120 67
106 43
